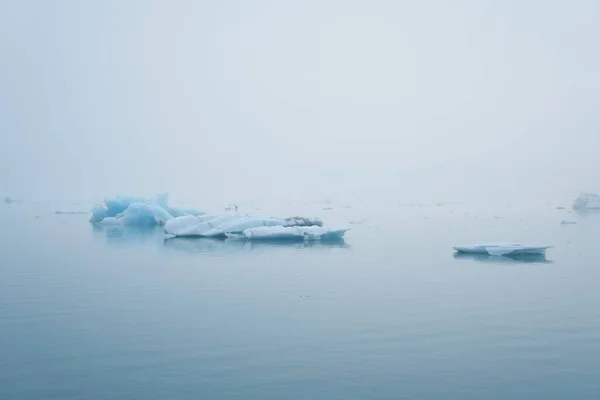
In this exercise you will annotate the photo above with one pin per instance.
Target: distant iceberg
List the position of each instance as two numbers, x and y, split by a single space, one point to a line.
131 210
300 233
502 249
587 201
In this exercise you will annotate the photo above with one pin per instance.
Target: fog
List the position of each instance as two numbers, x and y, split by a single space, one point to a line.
229 100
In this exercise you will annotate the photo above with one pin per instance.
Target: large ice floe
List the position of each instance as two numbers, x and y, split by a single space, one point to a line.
587 201
502 249
131 210
235 225
138 211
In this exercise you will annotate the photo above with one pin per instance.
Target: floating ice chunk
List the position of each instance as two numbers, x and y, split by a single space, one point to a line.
566 222
220 225
70 212
307 233
138 210
8 199
501 249
587 201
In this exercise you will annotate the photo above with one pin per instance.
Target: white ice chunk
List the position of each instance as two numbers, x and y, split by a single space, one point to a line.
241 224
307 233
195 226
499 249
587 201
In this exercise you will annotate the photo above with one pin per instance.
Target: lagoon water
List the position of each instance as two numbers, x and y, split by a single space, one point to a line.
118 313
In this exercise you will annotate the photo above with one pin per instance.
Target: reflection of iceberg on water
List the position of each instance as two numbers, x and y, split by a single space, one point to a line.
505 259
124 235
502 249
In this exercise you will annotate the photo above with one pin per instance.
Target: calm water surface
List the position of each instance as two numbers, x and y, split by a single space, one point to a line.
113 313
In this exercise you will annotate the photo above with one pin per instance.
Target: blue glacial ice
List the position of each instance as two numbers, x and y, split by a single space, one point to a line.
132 210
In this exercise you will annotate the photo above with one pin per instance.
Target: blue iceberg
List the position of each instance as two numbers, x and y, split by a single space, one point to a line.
132 210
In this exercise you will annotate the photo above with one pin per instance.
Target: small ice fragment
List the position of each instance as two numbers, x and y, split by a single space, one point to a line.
567 222
8 199
498 249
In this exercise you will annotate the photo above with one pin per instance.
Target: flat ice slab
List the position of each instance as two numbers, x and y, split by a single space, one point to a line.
502 249
231 223
301 233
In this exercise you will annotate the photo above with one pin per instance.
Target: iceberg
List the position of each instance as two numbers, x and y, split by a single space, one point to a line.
300 233
502 249
132 210
181 222
587 201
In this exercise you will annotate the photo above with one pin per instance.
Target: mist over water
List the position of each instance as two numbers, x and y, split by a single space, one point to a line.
220 102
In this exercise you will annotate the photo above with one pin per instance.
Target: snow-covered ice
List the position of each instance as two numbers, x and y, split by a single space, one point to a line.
307 233
587 201
230 223
190 226
500 249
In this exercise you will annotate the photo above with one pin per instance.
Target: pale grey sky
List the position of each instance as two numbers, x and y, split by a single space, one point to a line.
411 99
